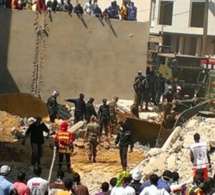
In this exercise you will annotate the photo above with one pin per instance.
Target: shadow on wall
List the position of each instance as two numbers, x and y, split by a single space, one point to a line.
212 7
5 18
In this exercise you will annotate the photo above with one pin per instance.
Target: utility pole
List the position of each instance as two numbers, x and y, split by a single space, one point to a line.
205 28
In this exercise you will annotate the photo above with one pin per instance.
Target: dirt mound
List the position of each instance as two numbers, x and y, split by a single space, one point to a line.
23 105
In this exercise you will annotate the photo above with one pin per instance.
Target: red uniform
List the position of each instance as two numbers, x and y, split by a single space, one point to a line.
64 142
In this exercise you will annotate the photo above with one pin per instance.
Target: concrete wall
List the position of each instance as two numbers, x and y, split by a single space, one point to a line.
89 56
181 18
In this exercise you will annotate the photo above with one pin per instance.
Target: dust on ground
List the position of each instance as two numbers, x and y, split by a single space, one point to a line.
92 174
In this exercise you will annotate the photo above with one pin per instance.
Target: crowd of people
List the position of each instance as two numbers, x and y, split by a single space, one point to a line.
126 12
125 184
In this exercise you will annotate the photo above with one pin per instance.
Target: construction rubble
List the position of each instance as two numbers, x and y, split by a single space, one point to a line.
173 155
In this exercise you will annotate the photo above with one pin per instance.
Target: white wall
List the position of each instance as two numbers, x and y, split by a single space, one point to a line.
181 19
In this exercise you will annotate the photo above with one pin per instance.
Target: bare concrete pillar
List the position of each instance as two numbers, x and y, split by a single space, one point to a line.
198 46
181 44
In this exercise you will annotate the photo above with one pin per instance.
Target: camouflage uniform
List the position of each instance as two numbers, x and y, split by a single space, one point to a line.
93 133
113 119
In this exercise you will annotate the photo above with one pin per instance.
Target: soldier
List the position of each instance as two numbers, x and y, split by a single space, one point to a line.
146 93
80 107
159 88
52 106
152 79
135 109
90 110
64 143
113 112
124 139
104 117
92 135
138 87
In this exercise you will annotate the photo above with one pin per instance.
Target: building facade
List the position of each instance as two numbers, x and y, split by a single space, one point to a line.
182 25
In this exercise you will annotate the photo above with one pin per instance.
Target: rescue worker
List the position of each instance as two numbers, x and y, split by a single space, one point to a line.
104 117
178 95
113 112
135 109
138 87
64 143
35 130
168 96
159 88
124 139
90 110
200 157
92 136
52 106
80 107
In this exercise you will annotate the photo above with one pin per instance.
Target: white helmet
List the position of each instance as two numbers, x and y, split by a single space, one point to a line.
170 87
178 88
55 93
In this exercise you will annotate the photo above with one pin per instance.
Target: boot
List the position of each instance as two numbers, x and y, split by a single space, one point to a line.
94 159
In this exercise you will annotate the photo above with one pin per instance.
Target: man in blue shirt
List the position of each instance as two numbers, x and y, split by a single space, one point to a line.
132 12
163 182
6 187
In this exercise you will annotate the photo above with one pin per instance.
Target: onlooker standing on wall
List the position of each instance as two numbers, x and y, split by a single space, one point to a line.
132 12
88 7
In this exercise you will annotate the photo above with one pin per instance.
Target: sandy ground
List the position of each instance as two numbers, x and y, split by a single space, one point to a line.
93 174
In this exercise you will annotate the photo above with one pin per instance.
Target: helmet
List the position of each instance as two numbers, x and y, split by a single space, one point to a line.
139 72
64 126
55 93
169 87
178 88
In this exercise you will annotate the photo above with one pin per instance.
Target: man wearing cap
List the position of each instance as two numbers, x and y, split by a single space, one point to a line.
136 177
6 187
64 143
199 156
80 107
52 106
36 130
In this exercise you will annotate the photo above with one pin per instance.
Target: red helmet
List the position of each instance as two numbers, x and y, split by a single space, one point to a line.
63 126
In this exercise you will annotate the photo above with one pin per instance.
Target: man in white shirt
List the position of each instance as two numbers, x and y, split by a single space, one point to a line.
199 156
38 185
88 7
124 189
152 189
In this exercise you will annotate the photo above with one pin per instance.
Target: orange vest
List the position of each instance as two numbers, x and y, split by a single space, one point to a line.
64 141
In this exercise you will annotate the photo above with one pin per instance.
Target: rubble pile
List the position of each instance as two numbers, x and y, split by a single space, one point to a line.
175 154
